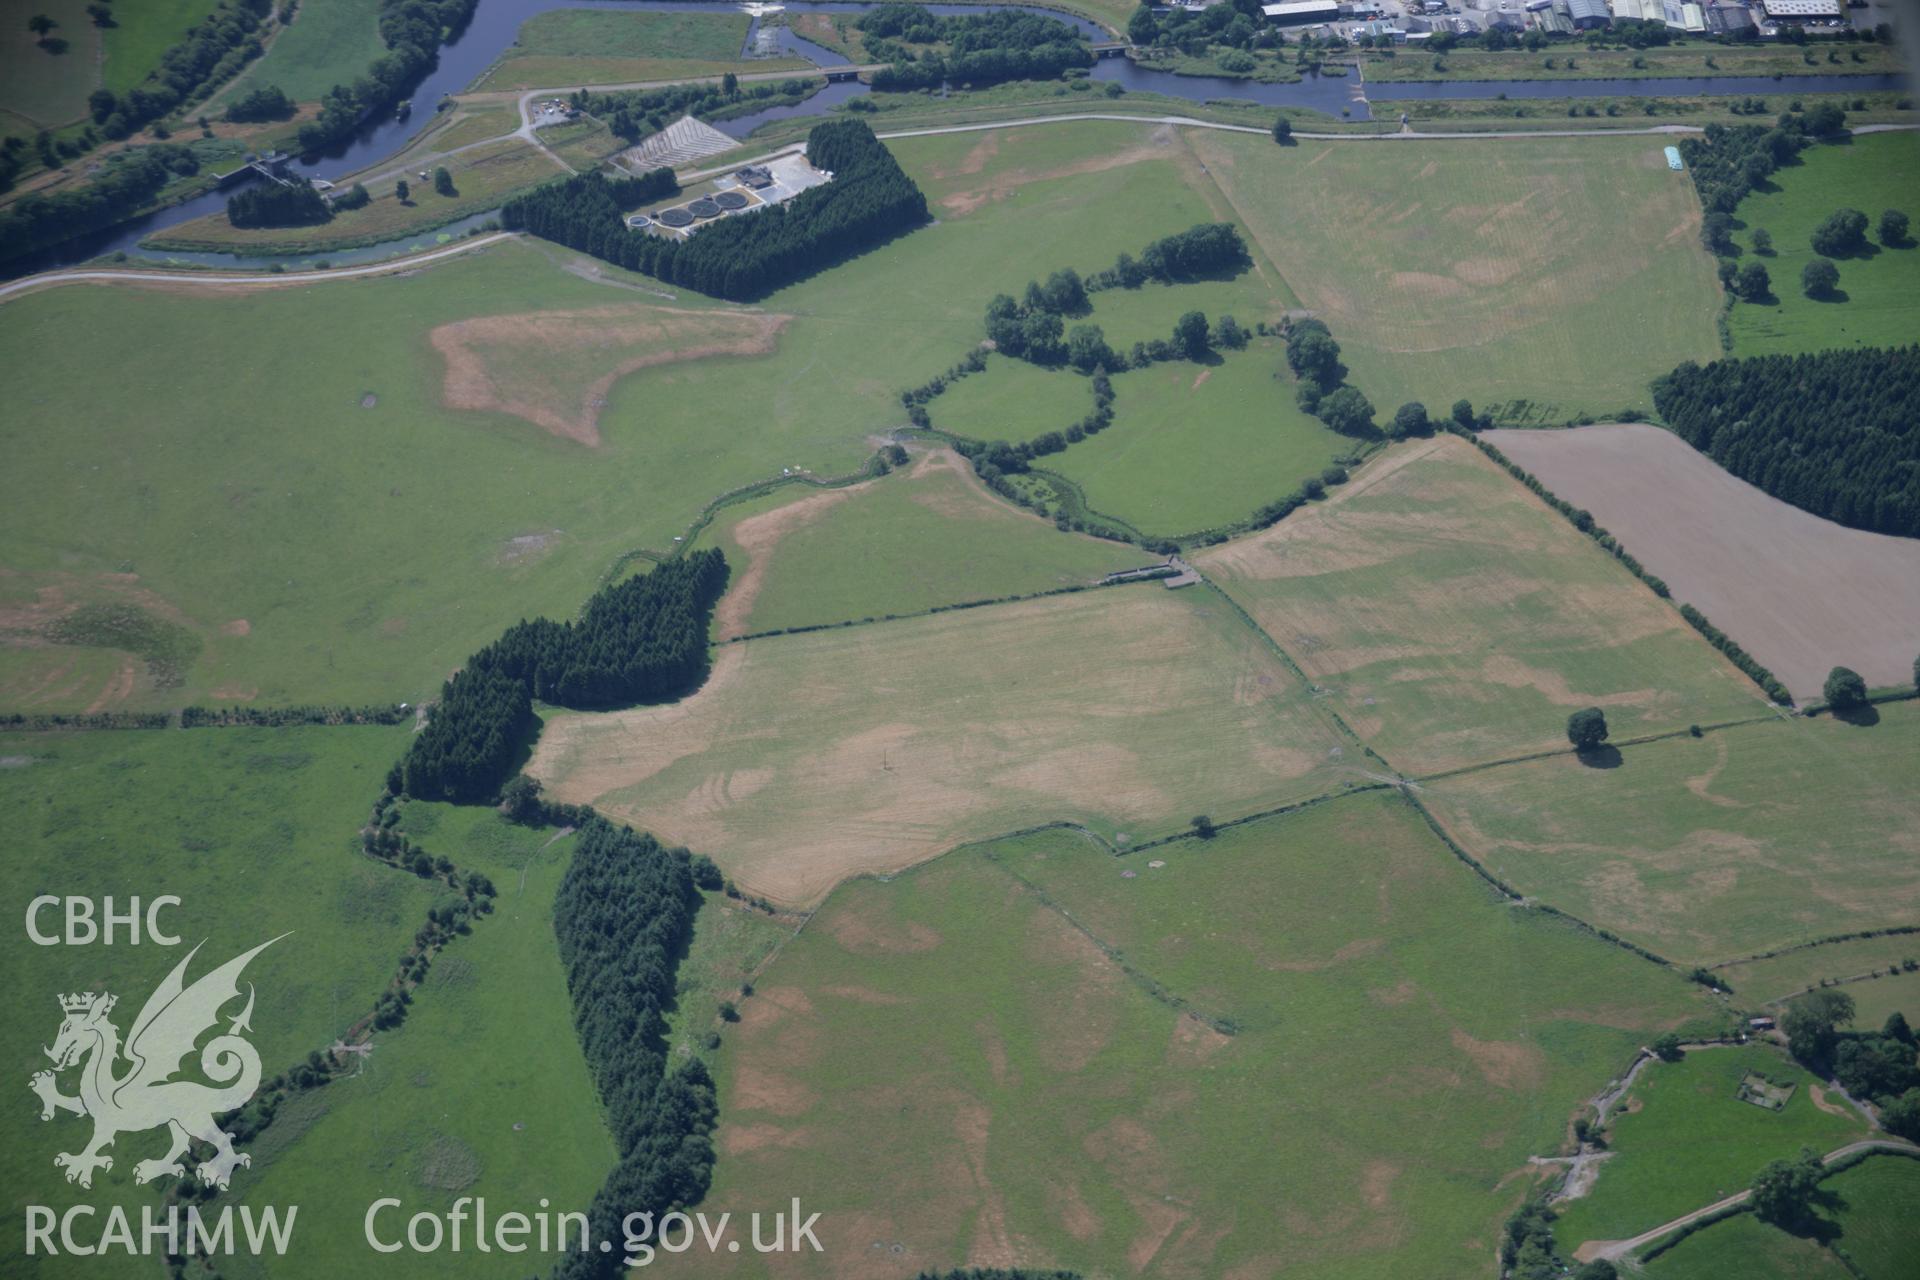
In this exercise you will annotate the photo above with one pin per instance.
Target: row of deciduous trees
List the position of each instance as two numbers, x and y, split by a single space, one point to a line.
636 641
412 31
210 53
980 48
1836 433
870 200
127 183
269 204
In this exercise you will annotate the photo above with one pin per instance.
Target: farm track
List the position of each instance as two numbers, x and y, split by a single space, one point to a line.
1614 1249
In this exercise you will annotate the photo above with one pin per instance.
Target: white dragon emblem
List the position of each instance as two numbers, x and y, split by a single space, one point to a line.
146 1096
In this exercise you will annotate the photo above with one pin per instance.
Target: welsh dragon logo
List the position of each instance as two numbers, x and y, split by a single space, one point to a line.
146 1095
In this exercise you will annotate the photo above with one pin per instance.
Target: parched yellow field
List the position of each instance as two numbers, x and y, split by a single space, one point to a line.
1564 272
1455 619
1750 838
807 759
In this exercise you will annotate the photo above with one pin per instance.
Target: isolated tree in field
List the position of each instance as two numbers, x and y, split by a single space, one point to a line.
730 84
40 24
401 191
1282 130
1463 414
1347 411
1844 689
1893 228
102 15
1587 728
1191 335
1762 241
1916 674
1203 826
1667 1048
1812 1023
1819 278
1410 419
1229 334
1843 232
443 181
1783 1191
1753 283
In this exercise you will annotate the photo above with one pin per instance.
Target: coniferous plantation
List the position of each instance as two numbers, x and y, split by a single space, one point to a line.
1832 433
641 640
622 917
869 201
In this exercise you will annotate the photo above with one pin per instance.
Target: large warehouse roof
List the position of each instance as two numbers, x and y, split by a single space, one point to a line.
1301 9
1801 8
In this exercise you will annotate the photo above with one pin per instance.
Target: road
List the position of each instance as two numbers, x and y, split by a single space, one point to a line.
388 266
1615 1249
245 279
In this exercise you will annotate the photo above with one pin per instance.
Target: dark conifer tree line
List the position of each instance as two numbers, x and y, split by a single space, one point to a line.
622 917
641 640
870 200
1837 433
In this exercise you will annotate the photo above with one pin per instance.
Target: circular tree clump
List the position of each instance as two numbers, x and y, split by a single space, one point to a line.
1586 729
1844 690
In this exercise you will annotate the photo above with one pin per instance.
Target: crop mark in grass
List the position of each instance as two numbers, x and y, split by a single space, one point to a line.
555 368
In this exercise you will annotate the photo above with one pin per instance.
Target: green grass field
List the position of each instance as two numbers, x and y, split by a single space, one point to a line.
255 832
1749 1248
1872 174
1011 397
483 1091
47 88
731 943
141 35
1566 273
330 42
1752 838
1683 1139
1880 1200
392 557
806 759
967 1064
924 536
1195 447
1838 962
586 47
1452 619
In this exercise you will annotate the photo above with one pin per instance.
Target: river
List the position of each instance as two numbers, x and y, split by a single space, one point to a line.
496 23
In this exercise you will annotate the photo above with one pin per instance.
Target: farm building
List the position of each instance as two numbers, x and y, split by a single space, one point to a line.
1800 10
1635 11
1760 1024
1587 14
1294 13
